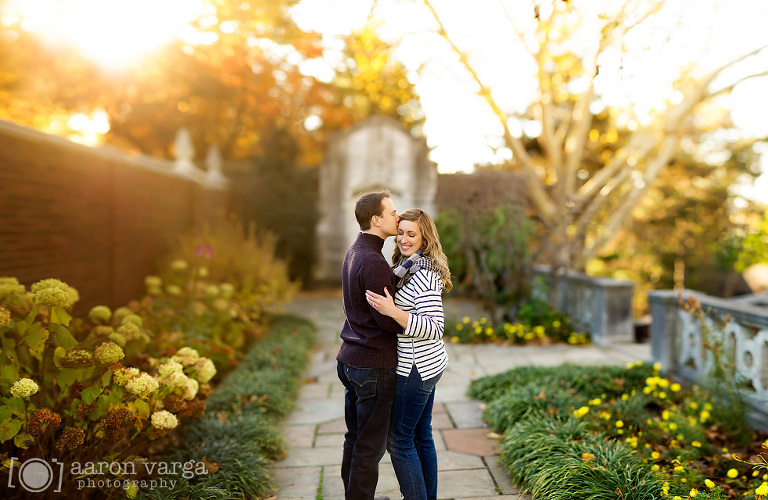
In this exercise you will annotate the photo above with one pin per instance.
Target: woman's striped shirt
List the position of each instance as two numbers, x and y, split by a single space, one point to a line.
421 343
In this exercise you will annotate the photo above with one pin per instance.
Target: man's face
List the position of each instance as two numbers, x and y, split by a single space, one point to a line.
388 218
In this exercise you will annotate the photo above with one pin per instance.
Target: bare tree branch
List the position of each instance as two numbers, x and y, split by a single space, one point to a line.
619 216
535 185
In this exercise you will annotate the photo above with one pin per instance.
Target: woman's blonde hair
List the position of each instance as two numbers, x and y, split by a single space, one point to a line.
430 245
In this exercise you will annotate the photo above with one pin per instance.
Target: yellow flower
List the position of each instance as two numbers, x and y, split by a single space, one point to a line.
762 490
581 411
53 292
675 387
665 415
709 483
693 492
459 327
108 353
657 366
122 375
142 385
704 416
655 455
662 395
164 419
679 468
24 388
696 444
655 467
205 370
483 320
179 265
673 426
595 402
619 424
455 340
132 318
732 473
100 314
624 397
465 319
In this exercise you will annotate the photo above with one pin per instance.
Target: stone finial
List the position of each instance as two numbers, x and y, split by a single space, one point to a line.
184 151
215 179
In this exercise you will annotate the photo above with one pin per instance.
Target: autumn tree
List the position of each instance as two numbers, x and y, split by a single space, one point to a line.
233 77
581 195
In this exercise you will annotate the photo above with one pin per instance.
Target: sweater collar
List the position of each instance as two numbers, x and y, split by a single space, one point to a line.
371 240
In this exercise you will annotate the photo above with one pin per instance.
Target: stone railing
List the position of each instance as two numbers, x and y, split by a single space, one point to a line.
677 339
601 306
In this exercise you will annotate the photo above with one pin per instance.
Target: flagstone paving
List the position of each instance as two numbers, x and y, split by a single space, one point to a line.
468 466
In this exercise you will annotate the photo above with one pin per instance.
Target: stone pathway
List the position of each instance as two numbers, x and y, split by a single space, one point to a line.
468 467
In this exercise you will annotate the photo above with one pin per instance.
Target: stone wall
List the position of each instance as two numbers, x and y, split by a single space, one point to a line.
96 218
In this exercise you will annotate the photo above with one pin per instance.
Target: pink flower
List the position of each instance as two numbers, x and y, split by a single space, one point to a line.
204 251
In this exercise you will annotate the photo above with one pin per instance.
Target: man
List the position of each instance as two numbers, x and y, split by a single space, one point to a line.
367 359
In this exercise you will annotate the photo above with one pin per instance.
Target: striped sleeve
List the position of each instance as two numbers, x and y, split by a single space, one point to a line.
426 322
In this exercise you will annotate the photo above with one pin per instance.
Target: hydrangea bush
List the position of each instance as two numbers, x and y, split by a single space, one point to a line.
87 392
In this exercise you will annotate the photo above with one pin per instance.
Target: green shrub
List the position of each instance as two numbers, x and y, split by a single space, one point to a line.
226 252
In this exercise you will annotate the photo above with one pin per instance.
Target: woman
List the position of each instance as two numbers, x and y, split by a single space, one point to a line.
421 269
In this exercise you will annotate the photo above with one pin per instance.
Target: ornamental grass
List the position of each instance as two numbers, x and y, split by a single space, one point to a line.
621 432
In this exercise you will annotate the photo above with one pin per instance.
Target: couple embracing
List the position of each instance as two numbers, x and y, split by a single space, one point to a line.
392 353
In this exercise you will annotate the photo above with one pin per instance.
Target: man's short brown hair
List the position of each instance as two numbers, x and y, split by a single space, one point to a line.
367 206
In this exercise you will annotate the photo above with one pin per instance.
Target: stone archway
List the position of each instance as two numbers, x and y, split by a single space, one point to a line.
374 155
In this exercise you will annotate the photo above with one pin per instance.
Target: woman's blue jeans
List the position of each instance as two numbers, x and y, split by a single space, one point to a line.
410 443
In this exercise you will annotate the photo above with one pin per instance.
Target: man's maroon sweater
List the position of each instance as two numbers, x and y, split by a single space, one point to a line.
369 338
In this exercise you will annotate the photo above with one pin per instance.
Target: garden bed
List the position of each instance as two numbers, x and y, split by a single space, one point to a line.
240 433
620 432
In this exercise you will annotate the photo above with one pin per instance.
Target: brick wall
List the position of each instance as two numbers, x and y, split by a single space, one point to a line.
96 218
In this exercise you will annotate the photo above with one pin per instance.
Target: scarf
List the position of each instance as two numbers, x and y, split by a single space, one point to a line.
405 268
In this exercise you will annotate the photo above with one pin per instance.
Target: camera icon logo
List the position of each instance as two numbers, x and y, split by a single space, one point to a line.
35 475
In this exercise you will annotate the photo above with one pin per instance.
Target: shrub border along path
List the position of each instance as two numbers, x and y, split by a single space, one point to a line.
240 434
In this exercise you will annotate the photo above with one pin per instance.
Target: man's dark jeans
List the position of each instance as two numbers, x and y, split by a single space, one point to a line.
368 394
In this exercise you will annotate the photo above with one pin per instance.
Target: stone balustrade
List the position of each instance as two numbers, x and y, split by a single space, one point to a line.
601 306
678 336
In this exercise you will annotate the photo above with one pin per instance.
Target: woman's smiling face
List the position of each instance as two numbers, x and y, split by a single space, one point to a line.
408 237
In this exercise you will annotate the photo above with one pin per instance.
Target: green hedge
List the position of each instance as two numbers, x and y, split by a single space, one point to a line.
240 432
